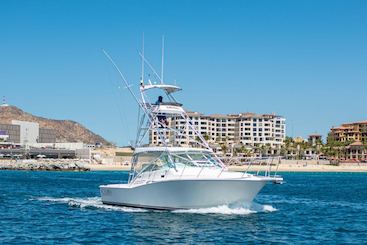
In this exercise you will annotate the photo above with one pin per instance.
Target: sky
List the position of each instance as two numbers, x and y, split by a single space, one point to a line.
304 60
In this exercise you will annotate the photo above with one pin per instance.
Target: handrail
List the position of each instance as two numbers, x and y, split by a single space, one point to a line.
220 173
248 168
200 171
258 171
183 171
268 162
149 176
276 170
272 159
249 165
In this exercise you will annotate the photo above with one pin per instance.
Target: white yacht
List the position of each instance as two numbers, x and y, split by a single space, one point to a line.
170 176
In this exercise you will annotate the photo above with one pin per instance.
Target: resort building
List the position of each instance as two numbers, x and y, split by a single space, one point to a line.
249 129
356 151
354 137
315 139
350 132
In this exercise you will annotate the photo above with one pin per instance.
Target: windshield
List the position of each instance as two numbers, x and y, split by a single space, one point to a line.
149 161
160 159
195 158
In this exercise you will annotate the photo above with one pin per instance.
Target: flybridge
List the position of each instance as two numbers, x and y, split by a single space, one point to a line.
155 115
166 87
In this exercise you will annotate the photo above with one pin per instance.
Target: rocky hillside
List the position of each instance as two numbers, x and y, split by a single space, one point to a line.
66 130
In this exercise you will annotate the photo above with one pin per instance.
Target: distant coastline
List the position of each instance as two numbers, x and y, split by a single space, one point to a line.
282 168
45 165
75 165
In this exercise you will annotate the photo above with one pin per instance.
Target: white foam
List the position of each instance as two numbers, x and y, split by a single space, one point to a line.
95 202
89 202
263 208
243 209
269 208
224 209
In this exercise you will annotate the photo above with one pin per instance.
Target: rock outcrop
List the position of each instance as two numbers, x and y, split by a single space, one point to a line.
66 130
44 165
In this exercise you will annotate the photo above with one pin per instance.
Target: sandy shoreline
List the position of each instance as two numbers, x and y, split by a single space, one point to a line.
282 168
286 166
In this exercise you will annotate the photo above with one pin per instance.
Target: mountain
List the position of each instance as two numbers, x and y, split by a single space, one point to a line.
66 130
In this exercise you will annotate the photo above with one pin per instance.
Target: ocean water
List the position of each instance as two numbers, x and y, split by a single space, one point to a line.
65 208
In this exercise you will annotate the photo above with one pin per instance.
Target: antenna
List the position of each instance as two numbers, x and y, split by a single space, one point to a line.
122 76
142 62
151 67
162 64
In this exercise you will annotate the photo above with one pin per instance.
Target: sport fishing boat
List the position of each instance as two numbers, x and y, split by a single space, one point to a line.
179 169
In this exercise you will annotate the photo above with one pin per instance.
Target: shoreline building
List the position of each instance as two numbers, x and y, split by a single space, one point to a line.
315 139
25 133
249 129
355 135
350 132
23 139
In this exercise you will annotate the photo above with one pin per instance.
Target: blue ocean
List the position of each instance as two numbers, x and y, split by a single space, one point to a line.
65 208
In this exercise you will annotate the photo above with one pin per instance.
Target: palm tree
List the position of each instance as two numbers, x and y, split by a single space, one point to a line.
206 137
283 150
246 152
287 146
224 148
267 148
288 141
262 150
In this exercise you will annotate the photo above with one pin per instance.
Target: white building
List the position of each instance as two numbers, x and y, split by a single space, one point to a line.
29 132
262 129
250 129
62 145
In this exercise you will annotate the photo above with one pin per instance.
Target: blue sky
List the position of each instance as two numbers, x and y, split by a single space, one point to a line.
305 60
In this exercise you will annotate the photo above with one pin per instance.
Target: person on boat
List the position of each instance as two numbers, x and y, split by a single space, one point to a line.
159 101
161 118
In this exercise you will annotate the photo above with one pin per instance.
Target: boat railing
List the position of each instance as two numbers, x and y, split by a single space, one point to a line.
265 165
201 170
183 170
221 171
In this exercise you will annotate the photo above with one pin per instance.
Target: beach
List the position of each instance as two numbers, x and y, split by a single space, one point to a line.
304 168
284 166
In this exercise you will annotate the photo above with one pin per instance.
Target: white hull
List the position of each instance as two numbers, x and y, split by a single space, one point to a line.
183 193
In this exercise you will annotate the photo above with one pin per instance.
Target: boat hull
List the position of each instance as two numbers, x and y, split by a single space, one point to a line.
183 194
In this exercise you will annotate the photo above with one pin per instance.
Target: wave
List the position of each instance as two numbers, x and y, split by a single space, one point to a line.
312 202
96 202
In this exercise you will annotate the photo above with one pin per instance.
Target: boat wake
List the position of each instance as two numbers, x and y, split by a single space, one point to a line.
89 202
241 209
96 203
